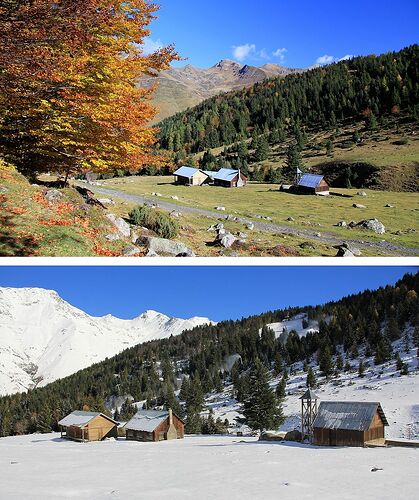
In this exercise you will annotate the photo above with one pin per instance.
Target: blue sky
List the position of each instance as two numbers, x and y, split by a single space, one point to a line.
215 292
296 34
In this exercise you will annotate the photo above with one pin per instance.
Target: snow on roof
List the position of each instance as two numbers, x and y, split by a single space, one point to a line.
186 171
347 415
147 420
310 180
81 418
225 174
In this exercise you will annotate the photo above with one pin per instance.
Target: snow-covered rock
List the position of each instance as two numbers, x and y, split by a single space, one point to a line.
44 338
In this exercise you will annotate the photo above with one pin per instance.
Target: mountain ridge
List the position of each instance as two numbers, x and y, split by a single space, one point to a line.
186 86
45 338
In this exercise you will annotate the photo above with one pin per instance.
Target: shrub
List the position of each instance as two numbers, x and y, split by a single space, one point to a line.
153 219
401 142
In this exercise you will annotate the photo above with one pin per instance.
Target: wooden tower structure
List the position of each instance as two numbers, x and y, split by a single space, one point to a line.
309 408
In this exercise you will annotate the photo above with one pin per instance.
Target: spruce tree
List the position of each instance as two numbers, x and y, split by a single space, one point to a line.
261 408
311 379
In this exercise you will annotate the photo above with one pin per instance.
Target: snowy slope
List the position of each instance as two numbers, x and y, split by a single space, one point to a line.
295 323
43 467
398 395
43 338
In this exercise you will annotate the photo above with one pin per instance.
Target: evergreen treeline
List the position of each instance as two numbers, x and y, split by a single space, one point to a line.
363 88
152 371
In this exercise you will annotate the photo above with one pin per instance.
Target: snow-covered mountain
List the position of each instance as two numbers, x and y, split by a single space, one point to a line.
44 338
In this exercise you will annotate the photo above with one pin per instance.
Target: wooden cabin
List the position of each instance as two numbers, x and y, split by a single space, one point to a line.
88 426
155 425
313 184
226 177
348 423
189 176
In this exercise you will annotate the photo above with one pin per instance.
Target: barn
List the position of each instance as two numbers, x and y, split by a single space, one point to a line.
88 426
155 425
313 184
348 423
189 176
226 177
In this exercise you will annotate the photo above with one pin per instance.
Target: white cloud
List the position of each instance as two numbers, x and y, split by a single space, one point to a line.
150 46
263 54
242 52
345 58
280 54
325 59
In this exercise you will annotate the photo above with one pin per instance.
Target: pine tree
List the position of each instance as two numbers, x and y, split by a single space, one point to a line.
261 408
281 389
262 149
326 362
311 381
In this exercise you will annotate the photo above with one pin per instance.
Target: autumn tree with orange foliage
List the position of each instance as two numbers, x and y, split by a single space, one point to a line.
70 73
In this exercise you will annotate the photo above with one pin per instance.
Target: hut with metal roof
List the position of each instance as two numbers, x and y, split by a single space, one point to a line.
313 184
348 423
227 177
190 176
154 425
88 426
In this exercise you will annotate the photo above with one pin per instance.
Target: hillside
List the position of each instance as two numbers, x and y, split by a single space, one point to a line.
44 338
362 110
185 87
372 326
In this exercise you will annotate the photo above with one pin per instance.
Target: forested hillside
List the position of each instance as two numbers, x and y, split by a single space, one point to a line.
152 371
363 88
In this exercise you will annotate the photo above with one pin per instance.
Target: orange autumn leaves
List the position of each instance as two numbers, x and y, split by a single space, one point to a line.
72 97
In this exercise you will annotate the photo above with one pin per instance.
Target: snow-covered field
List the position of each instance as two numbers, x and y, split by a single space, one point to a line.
45 467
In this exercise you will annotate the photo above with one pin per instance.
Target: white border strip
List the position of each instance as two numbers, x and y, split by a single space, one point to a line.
210 261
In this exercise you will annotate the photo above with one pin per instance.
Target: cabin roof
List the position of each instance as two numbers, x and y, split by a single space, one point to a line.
310 180
187 171
81 418
147 420
225 174
347 415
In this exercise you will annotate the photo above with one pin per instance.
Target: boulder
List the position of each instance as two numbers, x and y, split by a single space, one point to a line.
175 215
389 206
347 250
131 251
122 226
106 201
157 194
372 225
294 435
134 236
220 209
53 195
290 219
174 197
241 235
250 226
227 240
112 237
164 246
357 205
307 245
361 193
272 436
344 252
341 223
152 253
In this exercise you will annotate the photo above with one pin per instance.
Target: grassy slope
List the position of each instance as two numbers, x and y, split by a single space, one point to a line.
398 164
309 212
32 226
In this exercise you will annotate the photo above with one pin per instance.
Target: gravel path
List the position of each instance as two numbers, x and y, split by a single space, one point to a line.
269 227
